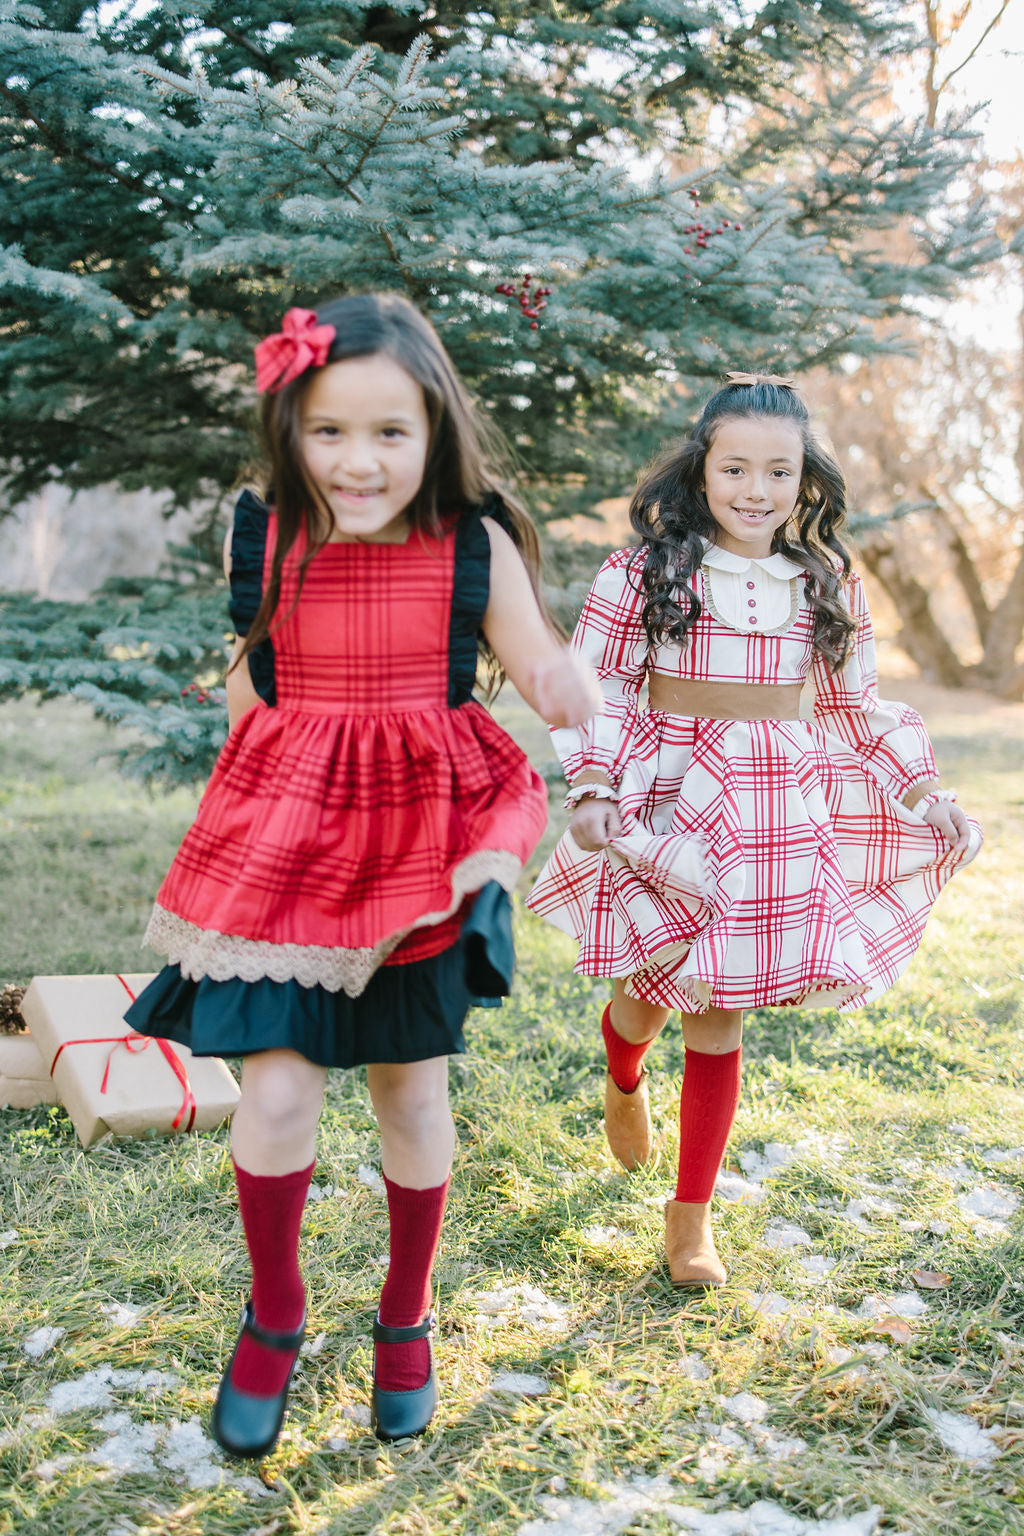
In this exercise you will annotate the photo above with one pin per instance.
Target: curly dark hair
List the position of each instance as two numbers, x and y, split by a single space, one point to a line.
669 511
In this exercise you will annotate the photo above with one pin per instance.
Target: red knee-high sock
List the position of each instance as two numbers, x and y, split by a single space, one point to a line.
416 1216
625 1060
271 1208
707 1108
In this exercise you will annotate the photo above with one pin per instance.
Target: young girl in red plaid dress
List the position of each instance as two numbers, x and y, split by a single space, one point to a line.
725 853
342 896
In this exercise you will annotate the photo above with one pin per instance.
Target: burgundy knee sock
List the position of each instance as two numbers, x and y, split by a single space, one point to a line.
707 1108
416 1216
625 1060
271 1208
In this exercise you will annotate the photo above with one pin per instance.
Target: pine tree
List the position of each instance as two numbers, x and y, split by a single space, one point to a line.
599 207
190 175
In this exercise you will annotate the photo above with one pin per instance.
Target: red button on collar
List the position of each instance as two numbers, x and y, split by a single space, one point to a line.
750 586
751 620
751 602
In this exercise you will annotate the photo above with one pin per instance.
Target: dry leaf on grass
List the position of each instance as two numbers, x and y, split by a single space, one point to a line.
896 1328
931 1279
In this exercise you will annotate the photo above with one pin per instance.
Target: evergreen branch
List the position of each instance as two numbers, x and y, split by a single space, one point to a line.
71 152
266 61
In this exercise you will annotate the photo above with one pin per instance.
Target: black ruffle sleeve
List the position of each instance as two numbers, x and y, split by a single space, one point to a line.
471 590
248 548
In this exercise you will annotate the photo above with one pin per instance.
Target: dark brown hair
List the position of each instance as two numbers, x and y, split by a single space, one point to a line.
459 476
670 512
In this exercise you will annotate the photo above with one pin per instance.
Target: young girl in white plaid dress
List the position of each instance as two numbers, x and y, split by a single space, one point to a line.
725 853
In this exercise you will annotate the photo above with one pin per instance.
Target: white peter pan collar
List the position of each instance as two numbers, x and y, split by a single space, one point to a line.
776 565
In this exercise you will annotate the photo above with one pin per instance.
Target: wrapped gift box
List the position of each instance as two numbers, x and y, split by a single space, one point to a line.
24 1080
110 1079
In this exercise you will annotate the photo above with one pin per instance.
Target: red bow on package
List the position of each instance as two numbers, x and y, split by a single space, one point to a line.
299 344
133 1043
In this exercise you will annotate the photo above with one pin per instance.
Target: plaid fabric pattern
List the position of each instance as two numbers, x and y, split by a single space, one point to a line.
762 862
337 819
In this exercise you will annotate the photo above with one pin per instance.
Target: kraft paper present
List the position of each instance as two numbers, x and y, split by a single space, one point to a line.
110 1079
24 1080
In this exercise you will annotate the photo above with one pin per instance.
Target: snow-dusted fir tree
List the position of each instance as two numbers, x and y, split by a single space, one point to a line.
592 204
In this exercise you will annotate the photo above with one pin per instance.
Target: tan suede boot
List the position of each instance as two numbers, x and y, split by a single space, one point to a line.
689 1245
627 1121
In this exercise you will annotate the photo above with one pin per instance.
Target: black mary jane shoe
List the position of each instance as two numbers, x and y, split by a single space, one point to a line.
245 1425
397 1415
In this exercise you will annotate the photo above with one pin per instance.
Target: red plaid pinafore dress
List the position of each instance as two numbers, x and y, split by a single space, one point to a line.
762 862
349 823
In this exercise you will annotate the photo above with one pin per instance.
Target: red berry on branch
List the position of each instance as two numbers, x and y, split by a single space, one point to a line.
737 226
687 251
533 325
184 691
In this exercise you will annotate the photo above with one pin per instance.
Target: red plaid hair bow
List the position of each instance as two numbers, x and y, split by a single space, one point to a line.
299 344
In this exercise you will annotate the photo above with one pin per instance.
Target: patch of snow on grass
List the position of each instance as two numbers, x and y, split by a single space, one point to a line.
317 1192
624 1503
780 1447
774 1304
129 1447
745 1408
371 1177
817 1265
993 1155
520 1384
962 1436
94 1389
955 1173
907 1304
7 1238
41 1340
992 1202
120 1315
46 1471
869 1205
188 1452
523 1304
737 1190
787 1237
903 1304
695 1367
601 1237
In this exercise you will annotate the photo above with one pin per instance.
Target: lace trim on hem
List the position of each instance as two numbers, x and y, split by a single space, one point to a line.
202 952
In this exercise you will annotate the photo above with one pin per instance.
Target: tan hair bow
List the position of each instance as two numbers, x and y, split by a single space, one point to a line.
761 378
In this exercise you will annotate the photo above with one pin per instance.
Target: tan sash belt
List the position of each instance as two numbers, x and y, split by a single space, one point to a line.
724 701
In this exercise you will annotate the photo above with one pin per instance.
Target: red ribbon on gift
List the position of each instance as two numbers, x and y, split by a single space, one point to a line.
170 1055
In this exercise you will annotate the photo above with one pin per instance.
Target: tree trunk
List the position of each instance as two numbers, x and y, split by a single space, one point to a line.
920 636
998 670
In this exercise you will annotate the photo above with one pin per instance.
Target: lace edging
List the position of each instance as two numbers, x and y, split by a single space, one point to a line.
203 952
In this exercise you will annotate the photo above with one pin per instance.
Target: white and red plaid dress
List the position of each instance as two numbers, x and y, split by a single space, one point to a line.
762 862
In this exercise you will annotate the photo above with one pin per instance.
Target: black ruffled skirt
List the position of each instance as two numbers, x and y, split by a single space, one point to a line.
407 1012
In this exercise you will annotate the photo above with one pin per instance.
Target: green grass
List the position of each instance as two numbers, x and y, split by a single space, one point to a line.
929 1077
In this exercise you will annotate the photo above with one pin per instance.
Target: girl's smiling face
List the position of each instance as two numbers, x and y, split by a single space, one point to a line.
365 440
752 474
